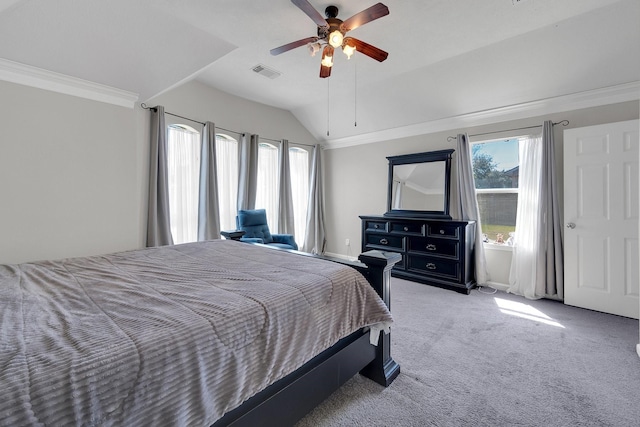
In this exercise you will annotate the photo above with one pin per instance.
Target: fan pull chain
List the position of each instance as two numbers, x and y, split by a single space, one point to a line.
328 107
355 93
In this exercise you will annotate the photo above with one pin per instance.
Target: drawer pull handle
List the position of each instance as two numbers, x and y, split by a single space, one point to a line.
431 266
384 241
376 226
406 229
441 231
431 247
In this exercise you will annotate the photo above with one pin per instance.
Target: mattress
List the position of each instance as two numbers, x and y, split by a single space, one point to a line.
174 335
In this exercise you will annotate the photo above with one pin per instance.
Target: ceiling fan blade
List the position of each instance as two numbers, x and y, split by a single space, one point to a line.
369 50
325 71
311 12
287 47
370 14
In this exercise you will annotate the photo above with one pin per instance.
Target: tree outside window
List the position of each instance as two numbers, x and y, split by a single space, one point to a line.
495 171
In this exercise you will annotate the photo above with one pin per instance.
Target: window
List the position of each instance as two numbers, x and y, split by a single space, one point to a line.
495 171
299 166
267 183
183 167
227 165
183 161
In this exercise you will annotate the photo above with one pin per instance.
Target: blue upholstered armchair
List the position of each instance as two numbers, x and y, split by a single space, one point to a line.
254 224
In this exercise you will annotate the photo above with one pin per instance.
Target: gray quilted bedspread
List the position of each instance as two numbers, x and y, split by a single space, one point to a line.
175 335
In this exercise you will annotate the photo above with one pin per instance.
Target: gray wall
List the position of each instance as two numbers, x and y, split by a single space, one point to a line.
68 181
73 172
356 177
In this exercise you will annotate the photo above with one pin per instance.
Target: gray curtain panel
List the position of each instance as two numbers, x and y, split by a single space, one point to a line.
158 226
208 205
315 239
553 262
248 171
468 204
285 199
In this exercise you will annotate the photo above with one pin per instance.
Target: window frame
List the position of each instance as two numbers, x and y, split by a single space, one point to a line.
511 190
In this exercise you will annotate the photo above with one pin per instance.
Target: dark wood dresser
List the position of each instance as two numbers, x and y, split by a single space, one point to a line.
436 252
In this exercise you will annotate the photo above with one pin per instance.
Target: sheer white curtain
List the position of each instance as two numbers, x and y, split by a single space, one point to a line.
267 184
536 265
529 217
227 162
299 165
183 164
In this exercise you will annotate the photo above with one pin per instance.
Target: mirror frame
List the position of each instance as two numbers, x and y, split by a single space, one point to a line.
429 156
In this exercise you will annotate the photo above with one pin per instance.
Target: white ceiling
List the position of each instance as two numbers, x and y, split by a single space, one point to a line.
446 58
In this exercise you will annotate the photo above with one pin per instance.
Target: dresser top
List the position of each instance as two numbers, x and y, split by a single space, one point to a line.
418 219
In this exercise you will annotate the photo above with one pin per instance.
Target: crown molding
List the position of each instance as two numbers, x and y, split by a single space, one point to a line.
28 75
587 99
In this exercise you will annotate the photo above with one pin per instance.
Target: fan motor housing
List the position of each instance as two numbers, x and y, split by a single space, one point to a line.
335 24
331 12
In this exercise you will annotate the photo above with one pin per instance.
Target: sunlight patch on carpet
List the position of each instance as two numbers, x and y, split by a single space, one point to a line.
525 311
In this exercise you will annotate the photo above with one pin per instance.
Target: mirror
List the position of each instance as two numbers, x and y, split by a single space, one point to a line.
419 184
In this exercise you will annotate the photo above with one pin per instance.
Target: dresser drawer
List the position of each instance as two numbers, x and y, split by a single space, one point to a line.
434 266
406 228
442 230
384 241
432 246
375 226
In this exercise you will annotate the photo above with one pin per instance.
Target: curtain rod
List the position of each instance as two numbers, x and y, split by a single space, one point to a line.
561 122
145 107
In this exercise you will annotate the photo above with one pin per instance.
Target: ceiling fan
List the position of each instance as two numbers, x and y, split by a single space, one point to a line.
331 34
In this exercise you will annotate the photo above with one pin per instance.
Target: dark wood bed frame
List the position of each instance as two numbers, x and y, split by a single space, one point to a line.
291 398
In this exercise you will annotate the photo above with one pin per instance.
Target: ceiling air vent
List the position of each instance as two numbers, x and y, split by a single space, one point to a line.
265 71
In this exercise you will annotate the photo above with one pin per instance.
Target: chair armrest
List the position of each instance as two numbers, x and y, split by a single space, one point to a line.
286 239
251 240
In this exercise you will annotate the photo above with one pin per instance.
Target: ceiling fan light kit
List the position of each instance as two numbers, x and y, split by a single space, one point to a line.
335 38
349 47
327 56
331 34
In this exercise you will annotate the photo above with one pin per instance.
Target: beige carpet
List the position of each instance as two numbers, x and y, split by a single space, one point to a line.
495 360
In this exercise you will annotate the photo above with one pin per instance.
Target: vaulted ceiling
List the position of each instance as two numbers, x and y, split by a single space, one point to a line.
446 58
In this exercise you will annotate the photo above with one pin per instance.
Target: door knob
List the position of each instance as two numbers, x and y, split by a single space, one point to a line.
571 225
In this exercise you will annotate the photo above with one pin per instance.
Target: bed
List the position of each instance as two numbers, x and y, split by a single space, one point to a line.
209 333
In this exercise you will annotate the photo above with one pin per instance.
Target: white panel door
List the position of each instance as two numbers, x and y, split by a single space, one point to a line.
601 204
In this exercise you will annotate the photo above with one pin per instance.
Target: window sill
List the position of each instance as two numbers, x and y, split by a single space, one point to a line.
497 247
